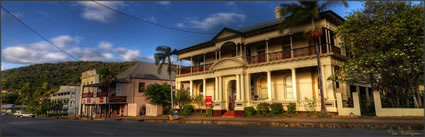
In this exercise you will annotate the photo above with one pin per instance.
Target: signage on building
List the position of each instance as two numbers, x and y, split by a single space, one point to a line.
118 99
208 101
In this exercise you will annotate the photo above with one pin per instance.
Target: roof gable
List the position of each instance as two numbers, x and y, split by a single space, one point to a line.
225 32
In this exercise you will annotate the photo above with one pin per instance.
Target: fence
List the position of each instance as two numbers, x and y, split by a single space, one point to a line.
394 111
347 111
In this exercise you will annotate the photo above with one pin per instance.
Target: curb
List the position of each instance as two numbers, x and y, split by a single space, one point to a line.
294 124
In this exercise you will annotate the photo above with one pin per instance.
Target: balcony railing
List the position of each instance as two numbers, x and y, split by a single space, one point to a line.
280 55
208 66
85 95
185 70
336 50
256 59
307 51
101 94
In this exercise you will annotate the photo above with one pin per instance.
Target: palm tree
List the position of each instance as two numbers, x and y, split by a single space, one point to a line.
106 76
302 11
163 56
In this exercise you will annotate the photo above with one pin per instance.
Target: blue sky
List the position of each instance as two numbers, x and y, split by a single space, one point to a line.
92 32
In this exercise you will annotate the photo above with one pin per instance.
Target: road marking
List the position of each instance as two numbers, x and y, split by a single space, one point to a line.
99 132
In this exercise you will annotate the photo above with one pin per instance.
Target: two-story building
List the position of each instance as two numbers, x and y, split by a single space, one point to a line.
69 97
240 68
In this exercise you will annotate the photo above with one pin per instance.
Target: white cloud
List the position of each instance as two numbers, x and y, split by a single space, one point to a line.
38 52
96 12
105 45
213 21
151 19
166 3
43 52
131 55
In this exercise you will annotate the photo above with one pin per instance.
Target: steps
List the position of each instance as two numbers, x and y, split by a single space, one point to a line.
229 114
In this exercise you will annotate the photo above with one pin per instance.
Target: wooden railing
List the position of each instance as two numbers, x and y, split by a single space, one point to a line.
101 94
185 70
208 66
199 68
336 50
307 51
85 95
256 59
279 55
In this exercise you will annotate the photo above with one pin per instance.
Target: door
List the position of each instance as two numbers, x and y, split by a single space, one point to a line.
232 94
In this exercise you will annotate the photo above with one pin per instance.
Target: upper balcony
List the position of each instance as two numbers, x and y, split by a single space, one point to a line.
269 50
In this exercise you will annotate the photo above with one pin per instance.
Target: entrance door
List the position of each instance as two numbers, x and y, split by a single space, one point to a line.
232 94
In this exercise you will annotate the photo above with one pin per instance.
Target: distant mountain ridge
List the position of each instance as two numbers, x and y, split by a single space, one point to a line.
56 74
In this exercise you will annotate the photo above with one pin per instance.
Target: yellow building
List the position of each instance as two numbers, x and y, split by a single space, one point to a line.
240 68
89 80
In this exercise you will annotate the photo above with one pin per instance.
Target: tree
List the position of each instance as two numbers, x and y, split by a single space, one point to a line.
158 94
385 47
163 56
302 12
182 97
199 100
107 76
10 98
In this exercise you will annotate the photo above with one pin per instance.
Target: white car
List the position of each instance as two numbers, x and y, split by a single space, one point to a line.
23 114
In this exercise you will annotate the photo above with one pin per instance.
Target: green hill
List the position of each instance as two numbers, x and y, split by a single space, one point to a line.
56 74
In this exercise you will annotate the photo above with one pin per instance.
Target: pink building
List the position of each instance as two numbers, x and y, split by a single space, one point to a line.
128 98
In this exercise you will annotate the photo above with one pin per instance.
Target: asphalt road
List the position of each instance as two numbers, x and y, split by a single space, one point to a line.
51 127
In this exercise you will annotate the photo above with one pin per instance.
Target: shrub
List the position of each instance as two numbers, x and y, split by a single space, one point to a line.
209 112
292 107
187 109
263 108
276 108
249 111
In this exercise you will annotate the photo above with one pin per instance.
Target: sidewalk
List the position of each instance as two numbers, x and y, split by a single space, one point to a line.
414 123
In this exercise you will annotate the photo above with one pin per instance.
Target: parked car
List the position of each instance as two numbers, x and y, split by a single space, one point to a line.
23 114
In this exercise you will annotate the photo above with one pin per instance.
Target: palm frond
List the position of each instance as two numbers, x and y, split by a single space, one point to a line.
331 3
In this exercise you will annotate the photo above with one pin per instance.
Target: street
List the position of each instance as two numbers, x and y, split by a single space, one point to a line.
58 127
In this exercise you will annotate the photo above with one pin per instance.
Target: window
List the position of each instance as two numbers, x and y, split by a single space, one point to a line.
141 87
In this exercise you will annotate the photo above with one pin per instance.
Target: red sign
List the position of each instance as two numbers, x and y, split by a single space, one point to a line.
208 101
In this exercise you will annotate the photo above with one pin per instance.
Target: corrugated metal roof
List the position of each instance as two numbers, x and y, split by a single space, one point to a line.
145 70
267 24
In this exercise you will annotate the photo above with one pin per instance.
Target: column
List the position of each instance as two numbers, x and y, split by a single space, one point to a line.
219 54
267 50
327 40
236 54
238 91
191 67
294 83
269 85
248 86
204 85
292 51
220 88
204 64
216 89
242 87
191 88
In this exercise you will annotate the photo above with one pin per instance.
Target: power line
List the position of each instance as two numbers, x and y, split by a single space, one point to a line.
39 34
159 25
